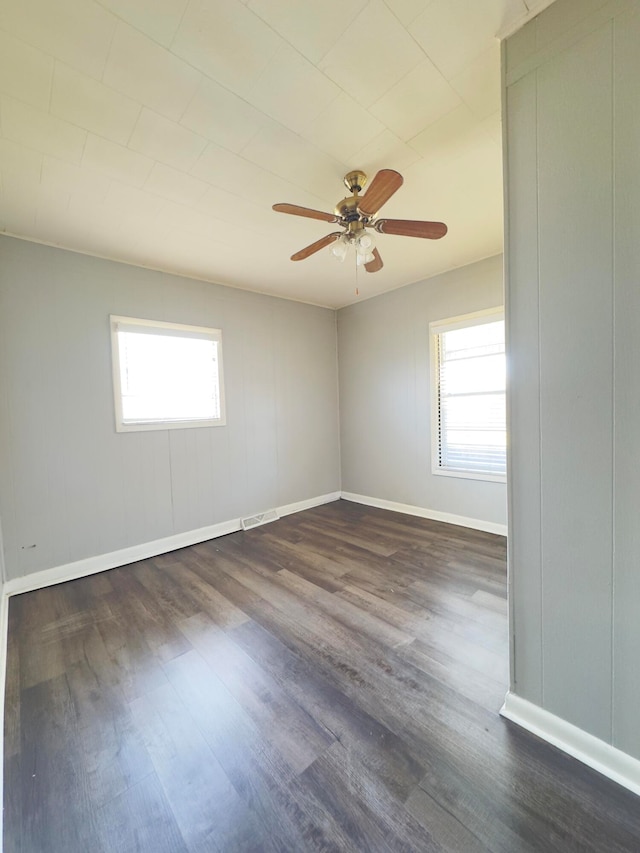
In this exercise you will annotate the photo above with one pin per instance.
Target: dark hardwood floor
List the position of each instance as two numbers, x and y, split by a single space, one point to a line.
329 682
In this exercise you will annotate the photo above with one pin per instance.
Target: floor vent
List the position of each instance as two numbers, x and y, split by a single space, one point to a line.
257 520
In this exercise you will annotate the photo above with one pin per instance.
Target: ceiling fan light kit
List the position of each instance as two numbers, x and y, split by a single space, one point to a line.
355 214
363 243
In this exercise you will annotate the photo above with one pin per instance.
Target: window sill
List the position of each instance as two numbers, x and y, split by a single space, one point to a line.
142 426
470 475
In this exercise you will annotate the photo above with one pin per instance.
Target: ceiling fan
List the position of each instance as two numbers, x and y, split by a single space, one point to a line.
356 214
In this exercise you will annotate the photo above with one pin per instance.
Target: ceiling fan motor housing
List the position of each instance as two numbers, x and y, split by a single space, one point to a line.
347 210
355 180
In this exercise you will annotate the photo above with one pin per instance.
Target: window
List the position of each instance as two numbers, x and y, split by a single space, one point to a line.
166 376
468 408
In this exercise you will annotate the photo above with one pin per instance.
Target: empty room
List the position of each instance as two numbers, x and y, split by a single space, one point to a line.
319 417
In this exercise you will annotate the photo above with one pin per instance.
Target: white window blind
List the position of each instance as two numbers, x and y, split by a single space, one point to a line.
470 398
166 375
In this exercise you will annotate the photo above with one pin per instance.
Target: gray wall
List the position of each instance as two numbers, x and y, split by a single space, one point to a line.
385 402
72 486
573 302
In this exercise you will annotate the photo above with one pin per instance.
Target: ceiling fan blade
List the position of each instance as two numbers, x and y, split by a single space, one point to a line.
376 264
296 210
380 190
315 247
412 228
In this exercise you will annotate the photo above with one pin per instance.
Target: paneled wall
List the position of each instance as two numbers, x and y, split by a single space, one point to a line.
385 394
573 308
71 487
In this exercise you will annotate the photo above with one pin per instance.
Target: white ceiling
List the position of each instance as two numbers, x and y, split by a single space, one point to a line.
160 132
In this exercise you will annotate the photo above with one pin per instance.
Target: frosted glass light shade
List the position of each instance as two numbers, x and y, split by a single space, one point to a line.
365 244
339 249
364 258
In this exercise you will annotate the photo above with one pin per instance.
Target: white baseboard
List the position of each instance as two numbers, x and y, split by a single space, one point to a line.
309 504
592 751
422 512
102 562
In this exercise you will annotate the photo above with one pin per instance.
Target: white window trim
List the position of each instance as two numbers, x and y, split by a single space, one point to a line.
476 318
185 331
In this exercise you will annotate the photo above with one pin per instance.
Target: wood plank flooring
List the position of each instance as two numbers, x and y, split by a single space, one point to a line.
329 682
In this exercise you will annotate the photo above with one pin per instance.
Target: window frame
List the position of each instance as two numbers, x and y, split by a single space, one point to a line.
437 327
117 321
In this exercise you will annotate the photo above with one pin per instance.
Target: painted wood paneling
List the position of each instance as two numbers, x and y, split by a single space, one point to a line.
626 611
562 16
260 412
576 364
71 485
522 320
587 134
385 382
300 430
